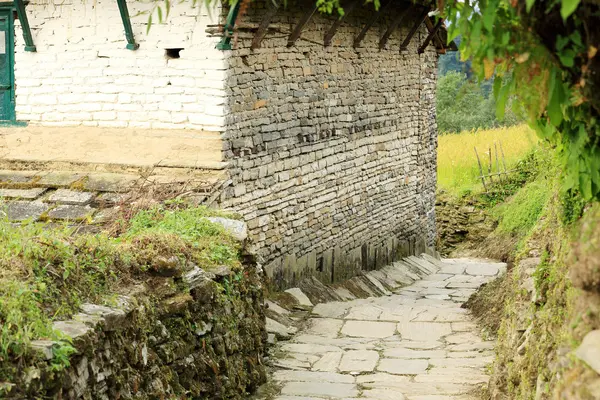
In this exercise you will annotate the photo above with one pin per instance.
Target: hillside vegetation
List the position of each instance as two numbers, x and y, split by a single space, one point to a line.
458 170
550 298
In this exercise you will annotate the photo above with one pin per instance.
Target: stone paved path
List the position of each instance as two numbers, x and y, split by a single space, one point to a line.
417 344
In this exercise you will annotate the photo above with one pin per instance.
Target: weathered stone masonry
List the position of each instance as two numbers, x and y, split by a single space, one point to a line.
333 150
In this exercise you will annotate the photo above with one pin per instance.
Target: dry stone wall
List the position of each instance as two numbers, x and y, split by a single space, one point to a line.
201 335
332 149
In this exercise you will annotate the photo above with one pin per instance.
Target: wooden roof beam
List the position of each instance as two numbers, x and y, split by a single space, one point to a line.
260 34
301 24
414 29
432 34
439 43
372 22
27 38
395 22
331 32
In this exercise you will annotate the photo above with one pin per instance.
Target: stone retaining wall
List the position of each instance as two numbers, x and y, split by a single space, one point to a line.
201 335
332 149
460 222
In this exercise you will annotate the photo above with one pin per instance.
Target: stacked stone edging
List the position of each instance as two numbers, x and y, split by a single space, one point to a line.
311 292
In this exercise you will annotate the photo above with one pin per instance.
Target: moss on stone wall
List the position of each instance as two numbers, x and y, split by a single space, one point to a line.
177 314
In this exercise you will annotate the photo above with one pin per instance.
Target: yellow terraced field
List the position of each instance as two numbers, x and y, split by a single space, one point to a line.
458 171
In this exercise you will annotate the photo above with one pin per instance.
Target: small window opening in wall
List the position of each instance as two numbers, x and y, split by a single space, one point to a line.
173 53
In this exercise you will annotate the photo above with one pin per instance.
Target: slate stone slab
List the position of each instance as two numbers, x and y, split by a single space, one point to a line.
71 213
105 215
43 347
369 329
303 300
482 269
26 194
311 376
9 176
114 318
108 199
403 367
281 331
24 210
110 182
320 389
59 179
66 196
72 329
589 350
237 229
359 361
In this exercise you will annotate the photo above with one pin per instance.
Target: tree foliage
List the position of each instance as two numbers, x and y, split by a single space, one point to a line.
451 61
544 52
465 105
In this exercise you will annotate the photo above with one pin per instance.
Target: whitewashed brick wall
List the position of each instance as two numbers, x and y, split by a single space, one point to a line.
83 75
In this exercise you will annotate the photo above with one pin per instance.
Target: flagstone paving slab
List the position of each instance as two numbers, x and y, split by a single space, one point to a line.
416 344
25 194
369 329
359 361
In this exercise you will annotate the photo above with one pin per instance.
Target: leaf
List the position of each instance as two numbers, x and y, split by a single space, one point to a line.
585 182
529 4
554 111
561 42
568 7
501 100
488 68
592 51
576 38
488 17
567 58
159 13
149 25
497 86
521 58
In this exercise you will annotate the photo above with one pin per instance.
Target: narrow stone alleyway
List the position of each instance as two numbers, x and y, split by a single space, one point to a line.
416 344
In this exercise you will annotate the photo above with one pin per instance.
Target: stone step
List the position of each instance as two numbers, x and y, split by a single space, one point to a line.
433 260
430 267
72 195
317 292
113 146
416 271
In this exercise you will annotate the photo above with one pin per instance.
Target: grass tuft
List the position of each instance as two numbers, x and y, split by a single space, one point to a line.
522 212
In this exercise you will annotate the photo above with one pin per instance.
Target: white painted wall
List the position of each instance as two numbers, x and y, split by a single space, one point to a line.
83 75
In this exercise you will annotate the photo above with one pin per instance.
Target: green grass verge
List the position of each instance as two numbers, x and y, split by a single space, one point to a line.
47 272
